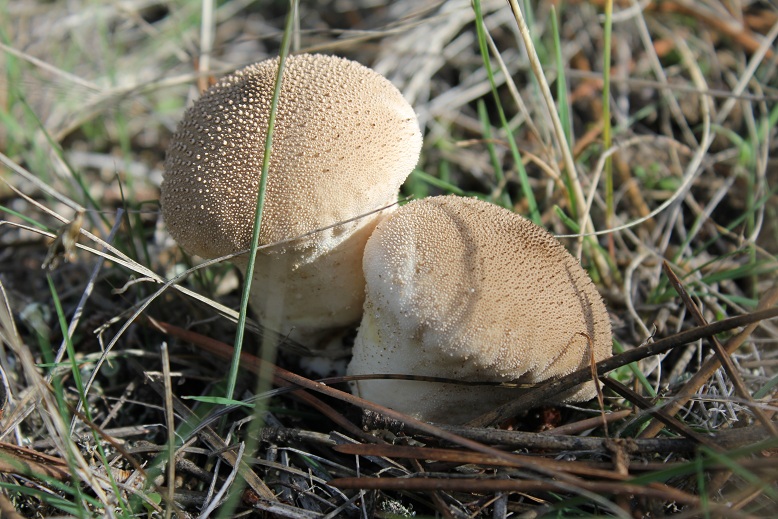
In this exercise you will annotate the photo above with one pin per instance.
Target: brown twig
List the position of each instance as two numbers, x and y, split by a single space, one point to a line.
729 438
515 485
659 414
721 354
31 463
711 365
546 391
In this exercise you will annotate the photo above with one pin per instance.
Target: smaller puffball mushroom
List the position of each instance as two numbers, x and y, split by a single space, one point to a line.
344 140
462 289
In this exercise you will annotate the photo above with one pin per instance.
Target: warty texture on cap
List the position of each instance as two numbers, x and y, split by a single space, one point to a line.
344 140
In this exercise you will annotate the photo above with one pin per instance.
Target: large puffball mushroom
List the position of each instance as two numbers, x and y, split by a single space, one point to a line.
344 140
466 290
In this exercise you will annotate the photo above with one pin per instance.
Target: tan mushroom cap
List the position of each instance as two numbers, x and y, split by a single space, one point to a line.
463 289
344 141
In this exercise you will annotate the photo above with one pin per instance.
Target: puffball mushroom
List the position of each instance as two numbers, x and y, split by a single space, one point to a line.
466 290
344 140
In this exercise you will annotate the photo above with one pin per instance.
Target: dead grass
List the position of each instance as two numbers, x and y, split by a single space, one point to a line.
89 96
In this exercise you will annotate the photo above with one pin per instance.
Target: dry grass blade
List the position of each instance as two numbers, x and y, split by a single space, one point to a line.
170 425
7 509
217 499
562 144
53 420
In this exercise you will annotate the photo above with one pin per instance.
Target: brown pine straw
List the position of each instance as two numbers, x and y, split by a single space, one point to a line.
491 485
561 480
29 462
557 479
459 457
739 34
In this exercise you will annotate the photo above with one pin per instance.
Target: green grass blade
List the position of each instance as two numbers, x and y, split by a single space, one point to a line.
76 372
563 104
502 196
534 213
571 224
633 367
48 498
25 218
767 388
68 345
730 462
77 177
606 112
434 181
244 302
217 400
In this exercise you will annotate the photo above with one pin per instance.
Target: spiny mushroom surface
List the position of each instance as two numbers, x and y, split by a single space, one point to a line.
466 290
344 141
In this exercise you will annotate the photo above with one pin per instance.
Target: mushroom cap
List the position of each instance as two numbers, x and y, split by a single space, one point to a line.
463 289
344 140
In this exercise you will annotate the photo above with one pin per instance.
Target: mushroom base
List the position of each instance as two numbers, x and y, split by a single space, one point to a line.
452 404
308 296
448 403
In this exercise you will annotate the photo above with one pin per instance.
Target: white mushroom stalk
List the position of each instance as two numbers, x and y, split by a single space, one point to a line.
463 289
344 141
